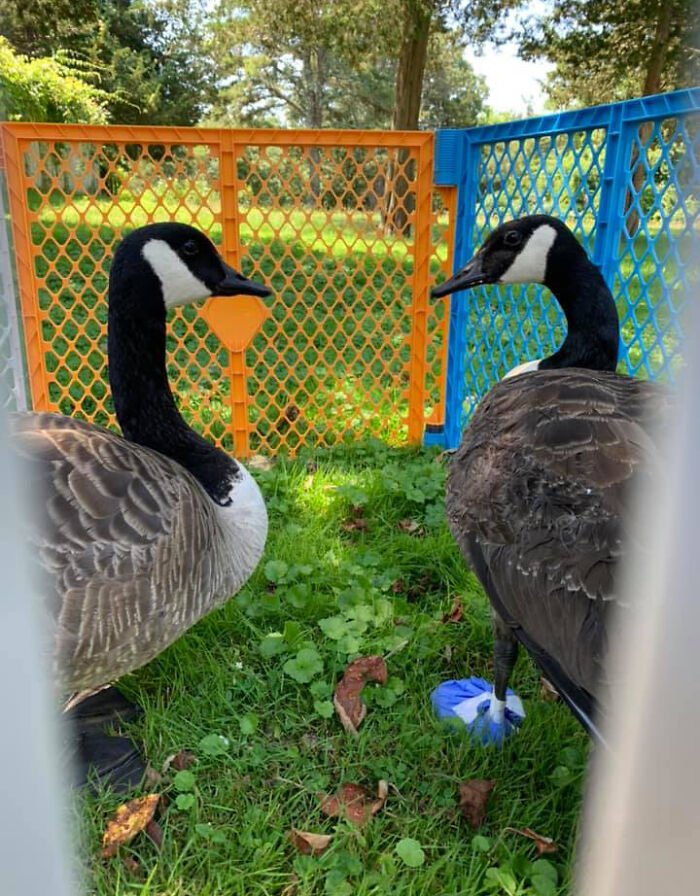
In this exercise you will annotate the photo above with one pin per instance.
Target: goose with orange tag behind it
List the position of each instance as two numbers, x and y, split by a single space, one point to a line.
136 537
540 489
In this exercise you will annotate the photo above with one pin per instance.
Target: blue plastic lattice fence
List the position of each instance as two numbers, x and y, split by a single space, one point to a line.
626 178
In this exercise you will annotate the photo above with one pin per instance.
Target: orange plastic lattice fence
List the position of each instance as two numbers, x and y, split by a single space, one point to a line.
337 222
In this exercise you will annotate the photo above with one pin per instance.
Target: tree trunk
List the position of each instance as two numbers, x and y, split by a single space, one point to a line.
316 76
652 84
400 202
412 59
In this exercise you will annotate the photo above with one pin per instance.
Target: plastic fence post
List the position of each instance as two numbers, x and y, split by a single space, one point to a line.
457 340
610 220
13 394
24 267
421 281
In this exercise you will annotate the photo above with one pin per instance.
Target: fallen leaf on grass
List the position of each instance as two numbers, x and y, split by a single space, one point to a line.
358 524
129 820
309 844
354 803
259 462
426 582
542 844
456 613
131 865
547 691
152 778
412 528
154 832
179 761
473 797
348 694
292 887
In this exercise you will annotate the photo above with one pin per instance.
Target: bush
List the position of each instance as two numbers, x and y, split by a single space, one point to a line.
47 89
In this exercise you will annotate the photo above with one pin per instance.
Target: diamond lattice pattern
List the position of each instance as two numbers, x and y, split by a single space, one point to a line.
331 362
82 198
329 228
655 275
558 175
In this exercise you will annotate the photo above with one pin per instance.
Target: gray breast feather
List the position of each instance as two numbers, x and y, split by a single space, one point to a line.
122 539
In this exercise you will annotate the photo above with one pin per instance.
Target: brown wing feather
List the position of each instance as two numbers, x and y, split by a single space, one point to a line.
543 480
122 539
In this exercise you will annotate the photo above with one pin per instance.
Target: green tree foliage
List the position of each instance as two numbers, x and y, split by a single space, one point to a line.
474 20
331 64
287 61
47 89
40 27
607 50
453 95
148 53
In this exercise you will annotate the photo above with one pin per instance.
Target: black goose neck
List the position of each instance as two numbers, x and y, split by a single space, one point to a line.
593 326
143 401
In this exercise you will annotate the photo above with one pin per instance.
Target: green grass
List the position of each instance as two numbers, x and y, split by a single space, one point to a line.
339 331
232 676
339 328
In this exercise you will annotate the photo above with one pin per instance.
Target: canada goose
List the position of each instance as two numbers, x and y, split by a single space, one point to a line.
539 490
136 538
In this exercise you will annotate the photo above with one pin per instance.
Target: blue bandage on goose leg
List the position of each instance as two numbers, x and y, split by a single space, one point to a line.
472 700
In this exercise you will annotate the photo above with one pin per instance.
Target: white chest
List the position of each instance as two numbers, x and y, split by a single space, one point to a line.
243 525
526 367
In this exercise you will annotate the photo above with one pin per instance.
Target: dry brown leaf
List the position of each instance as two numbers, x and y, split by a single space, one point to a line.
547 691
358 524
179 761
154 832
542 844
183 760
412 528
398 587
456 613
425 582
354 803
473 797
128 821
292 887
348 693
309 844
131 865
259 462
152 778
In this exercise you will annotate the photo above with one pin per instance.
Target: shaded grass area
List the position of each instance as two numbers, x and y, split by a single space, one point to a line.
260 672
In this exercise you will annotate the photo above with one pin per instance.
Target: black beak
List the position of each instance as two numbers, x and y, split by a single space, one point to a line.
471 274
235 284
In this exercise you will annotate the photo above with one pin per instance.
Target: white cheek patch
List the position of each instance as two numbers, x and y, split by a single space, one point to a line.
530 265
179 284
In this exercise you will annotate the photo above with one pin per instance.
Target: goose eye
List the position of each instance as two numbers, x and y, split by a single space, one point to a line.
513 238
190 248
